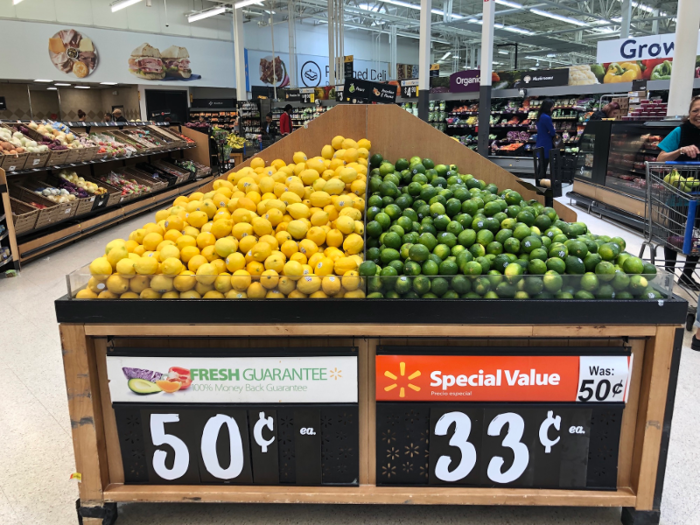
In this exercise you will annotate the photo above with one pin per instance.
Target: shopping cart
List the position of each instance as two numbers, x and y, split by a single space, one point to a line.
672 222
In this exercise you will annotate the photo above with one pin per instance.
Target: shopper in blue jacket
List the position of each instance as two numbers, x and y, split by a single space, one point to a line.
545 129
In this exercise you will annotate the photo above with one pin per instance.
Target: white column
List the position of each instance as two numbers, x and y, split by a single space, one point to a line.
239 54
424 45
487 43
626 18
393 47
292 72
683 71
331 42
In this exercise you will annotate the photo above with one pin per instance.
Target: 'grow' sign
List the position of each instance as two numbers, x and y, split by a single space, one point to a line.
638 48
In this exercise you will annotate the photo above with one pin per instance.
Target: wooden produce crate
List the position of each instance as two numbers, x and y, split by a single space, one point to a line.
12 163
49 215
85 204
66 210
37 160
144 179
177 142
142 147
24 216
111 198
88 153
58 158
74 155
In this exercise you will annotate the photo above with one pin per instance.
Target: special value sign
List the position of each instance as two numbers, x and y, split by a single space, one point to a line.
449 378
304 379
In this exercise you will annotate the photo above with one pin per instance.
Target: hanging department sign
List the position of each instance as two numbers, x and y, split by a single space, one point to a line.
492 378
638 48
465 81
362 92
307 379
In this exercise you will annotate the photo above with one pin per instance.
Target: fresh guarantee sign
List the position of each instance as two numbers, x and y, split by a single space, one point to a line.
309 379
638 48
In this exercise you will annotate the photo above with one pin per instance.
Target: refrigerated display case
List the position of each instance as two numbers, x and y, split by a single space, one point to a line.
610 174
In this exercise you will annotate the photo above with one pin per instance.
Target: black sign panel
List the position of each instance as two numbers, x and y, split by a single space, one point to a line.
239 444
496 445
543 78
409 88
2 103
258 92
339 90
307 95
349 66
214 103
292 95
365 92
639 85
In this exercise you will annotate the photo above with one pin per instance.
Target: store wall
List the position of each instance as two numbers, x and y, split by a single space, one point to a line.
45 105
89 100
16 100
125 96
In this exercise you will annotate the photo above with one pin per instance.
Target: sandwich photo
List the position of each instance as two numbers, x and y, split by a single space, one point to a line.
176 62
145 62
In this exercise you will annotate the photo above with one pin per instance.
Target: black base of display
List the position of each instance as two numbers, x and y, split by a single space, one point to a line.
108 513
631 516
374 311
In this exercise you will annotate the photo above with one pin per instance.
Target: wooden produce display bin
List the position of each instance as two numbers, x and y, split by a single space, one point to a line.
373 401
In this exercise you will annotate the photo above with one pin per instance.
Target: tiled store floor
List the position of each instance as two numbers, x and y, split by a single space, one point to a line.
36 449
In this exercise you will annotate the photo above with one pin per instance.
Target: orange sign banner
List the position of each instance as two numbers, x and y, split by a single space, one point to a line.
477 378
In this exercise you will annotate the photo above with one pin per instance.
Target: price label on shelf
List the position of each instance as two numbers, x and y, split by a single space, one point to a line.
518 378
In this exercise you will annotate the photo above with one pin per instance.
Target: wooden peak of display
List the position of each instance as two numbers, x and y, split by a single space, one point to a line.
395 133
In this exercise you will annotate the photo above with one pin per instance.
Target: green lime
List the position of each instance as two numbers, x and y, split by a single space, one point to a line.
533 285
590 282
521 231
537 267
374 284
392 240
442 251
605 292
485 263
374 229
605 271
638 284
376 160
506 290
538 253
512 198
467 238
389 254
439 286
428 240
484 237
504 235
440 222
620 242
552 281
477 250
383 219
368 269
583 294
448 268
373 254
421 285
461 284
577 248
513 272
411 238
551 232
482 286
495 248
543 222
375 295
430 267
609 251
633 265
512 245
471 268
564 295
526 217
556 264
649 271
418 253
412 268
557 249
403 285
623 295
447 238
453 207
401 164
491 209
574 265
405 250
530 243
591 261
621 281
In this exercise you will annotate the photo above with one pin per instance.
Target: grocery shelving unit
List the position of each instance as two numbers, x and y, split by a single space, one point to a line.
222 118
9 253
38 241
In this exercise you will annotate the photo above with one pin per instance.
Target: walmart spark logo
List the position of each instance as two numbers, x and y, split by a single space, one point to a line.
336 374
402 372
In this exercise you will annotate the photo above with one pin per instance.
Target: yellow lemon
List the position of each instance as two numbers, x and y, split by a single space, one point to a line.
242 229
351 155
219 266
299 257
275 262
315 258
351 281
334 238
269 239
269 279
319 218
354 294
299 157
205 239
293 270
334 187
349 143
209 253
139 283
324 267
308 247
255 268
274 216
278 164
233 294
333 254
353 213
320 199
100 268
257 162
161 283
298 211
274 294
316 165
359 228
309 176
225 246
146 265
289 248
309 284
246 244
317 235
337 142
261 251
128 295
353 244
364 143
188 252
320 183
327 151
170 235
330 285
296 294
150 293
168 252
117 284
332 212
206 274
345 224
197 219
190 294
318 295
222 228
116 254
191 231
172 266
256 291
262 226
169 295
138 235
213 294
223 283
185 281
240 280
126 268
286 285
347 175
234 262
202 288
152 240
85 293
297 229
195 262
344 265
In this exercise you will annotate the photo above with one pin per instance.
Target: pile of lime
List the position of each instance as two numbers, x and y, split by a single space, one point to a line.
435 232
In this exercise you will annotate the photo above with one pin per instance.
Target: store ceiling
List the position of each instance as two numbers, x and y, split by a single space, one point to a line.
552 33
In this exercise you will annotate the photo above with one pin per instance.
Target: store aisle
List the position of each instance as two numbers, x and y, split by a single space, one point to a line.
37 455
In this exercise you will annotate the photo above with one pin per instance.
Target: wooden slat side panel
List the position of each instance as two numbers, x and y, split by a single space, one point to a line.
85 412
365 421
114 453
372 411
629 415
370 495
651 414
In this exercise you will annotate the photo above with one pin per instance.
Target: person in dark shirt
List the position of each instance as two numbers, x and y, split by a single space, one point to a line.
545 130
269 129
118 116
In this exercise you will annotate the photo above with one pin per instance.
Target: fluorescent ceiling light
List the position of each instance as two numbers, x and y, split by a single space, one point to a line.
503 52
121 4
61 85
206 14
551 55
43 80
270 12
245 3
515 29
82 87
49 88
409 5
560 17
108 83
446 55
509 3
15 2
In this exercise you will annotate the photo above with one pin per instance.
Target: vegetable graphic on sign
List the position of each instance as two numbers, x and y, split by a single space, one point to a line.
145 382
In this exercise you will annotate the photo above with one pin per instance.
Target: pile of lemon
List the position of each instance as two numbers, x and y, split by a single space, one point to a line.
265 231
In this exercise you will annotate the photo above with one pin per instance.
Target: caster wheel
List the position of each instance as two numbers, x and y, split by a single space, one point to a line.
689 322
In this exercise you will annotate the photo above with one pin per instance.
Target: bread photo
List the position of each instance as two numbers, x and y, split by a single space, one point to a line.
145 62
176 62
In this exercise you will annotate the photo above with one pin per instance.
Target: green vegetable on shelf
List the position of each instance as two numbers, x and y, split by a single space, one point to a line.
662 71
599 71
